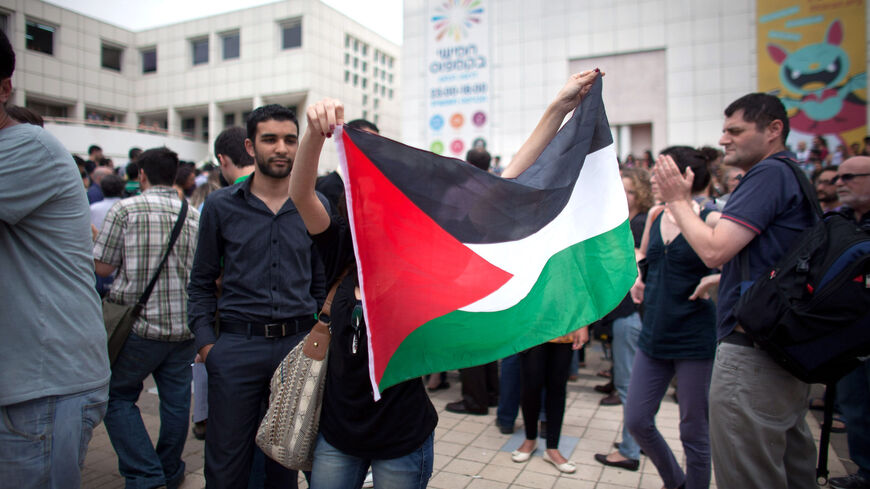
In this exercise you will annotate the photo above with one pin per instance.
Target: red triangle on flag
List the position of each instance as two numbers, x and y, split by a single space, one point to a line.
412 270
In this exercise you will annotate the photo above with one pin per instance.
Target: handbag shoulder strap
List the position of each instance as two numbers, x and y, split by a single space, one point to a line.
176 230
326 310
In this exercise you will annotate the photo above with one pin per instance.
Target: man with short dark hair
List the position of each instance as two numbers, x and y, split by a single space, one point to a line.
54 369
95 154
134 237
229 149
853 390
826 189
478 157
272 287
131 188
758 434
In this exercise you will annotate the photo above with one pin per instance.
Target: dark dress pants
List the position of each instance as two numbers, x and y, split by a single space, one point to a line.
480 386
239 371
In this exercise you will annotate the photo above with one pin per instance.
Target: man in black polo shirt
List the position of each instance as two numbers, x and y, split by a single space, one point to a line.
758 432
271 289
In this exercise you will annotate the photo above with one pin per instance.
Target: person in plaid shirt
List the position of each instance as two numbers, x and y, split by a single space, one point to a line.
132 241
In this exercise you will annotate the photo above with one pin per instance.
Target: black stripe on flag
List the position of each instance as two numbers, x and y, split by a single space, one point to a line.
477 207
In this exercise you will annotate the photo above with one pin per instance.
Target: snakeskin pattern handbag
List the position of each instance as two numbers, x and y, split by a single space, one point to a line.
288 432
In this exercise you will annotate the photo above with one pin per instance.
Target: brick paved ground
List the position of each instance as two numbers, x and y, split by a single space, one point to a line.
471 453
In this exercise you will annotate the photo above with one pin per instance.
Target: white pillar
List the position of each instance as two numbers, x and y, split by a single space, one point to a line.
132 119
258 101
215 123
173 122
624 141
79 111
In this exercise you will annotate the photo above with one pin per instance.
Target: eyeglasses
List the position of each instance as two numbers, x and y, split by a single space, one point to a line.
847 177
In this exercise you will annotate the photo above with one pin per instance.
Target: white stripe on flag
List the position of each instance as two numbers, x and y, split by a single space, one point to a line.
597 205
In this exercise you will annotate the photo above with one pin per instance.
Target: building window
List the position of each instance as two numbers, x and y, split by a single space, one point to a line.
149 60
346 76
230 45
365 49
205 128
376 120
40 37
391 94
355 46
4 23
346 59
111 57
229 120
291 34
199 50
376 103
375 86
47 109
390 63
188 126
355 63
365 66
347 41
355 79
391 78
383 91
365 99
364 82
365 114
375 71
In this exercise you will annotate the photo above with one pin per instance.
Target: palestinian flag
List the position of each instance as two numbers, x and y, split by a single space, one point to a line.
459 267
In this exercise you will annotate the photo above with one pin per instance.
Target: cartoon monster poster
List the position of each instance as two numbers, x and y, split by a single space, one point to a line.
812 53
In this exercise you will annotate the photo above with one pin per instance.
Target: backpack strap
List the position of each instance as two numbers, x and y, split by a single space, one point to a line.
809 195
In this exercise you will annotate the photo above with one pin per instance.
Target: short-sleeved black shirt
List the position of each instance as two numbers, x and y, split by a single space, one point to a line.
350 419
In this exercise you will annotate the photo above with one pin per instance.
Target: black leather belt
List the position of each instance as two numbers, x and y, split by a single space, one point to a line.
285 327
740 339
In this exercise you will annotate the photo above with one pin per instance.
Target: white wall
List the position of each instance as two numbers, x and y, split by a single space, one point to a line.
117 142
709 60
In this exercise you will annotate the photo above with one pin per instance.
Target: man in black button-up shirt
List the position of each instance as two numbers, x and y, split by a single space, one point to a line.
252 233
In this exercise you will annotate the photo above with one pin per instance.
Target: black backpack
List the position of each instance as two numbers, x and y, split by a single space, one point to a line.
811 310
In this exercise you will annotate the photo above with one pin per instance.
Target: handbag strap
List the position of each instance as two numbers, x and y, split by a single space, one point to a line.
326 310
176 230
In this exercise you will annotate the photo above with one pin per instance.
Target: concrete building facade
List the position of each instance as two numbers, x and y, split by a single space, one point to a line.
672 66
183 83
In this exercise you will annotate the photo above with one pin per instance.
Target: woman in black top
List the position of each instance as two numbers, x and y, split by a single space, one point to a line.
394 435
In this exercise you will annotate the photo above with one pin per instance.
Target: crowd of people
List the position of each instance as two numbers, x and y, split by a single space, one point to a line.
252 247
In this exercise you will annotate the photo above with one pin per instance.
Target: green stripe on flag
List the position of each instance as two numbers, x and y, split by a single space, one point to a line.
577 286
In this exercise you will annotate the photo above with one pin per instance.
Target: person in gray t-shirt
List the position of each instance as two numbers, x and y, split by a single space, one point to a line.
54 368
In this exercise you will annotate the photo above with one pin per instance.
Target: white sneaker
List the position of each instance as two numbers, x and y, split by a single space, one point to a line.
369 482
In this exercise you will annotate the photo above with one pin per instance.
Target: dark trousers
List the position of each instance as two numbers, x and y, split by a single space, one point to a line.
545 366
650 378
479 386
239 371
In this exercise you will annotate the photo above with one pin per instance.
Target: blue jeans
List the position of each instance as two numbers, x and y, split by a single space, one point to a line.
853 392
626 331
139 462
334 469
43 441
509 387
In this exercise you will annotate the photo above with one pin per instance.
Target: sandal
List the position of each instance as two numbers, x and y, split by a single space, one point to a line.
838 425
817 404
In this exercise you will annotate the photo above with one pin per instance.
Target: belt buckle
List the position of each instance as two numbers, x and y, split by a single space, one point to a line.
275 330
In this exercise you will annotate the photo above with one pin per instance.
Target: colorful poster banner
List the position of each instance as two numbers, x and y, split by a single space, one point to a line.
813 54
457 67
